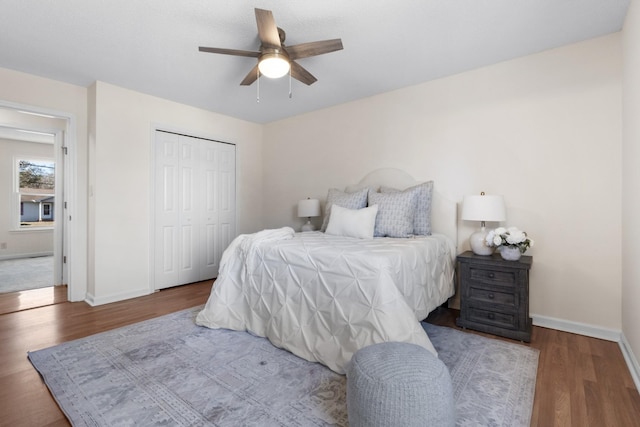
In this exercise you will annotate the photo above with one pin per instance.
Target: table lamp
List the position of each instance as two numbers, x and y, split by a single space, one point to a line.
482 208
308 208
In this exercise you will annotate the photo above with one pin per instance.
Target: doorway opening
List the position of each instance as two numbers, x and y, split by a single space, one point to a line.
32 228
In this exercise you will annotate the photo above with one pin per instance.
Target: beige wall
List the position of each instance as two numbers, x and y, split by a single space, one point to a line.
21 243
120 139
543 130
631 183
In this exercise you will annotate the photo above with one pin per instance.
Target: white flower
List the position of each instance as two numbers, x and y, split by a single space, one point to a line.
515 236
512 237
489 238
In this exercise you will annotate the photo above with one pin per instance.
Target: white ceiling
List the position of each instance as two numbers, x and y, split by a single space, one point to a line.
151 46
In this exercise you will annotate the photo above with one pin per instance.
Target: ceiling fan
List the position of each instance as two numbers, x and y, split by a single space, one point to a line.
274 58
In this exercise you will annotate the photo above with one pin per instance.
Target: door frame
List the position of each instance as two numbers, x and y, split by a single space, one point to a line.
67 233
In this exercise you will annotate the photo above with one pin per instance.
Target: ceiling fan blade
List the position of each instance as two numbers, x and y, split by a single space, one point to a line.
267 29
251 77
235 52
305 50
299 73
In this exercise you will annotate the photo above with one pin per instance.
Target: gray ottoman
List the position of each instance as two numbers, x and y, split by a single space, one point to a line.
398 384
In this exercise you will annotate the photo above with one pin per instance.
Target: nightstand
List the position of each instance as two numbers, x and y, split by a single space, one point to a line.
494 295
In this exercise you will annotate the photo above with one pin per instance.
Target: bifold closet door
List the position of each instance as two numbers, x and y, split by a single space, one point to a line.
194 212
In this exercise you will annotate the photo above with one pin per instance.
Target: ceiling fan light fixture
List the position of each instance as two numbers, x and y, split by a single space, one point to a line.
273 65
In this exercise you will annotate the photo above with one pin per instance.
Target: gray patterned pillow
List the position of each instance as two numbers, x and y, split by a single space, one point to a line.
395 213
422 214
356 200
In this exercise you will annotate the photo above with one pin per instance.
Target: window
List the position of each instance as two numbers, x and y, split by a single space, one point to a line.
36 192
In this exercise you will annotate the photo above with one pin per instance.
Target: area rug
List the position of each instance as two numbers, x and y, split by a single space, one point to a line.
168 371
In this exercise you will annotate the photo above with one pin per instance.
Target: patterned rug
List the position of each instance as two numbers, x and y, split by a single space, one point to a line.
168 371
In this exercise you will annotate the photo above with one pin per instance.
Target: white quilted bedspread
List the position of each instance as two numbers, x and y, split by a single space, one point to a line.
323 297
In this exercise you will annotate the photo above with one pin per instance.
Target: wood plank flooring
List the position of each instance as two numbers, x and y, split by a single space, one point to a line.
581 381
24 300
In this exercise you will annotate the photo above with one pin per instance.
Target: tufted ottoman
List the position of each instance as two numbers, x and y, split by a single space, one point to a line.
398 384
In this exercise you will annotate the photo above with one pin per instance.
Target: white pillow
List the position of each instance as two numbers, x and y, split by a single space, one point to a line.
356 200
358 223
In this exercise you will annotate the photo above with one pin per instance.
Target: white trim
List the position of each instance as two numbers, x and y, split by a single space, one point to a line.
595 332
93 301
630 358
152 203
576 328
15 214
76 250
29 255
59 231
37 229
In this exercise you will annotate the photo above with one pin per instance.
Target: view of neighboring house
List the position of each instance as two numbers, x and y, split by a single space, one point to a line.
36 205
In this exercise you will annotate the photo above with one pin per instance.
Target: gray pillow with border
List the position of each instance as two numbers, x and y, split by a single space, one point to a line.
395 213
355 200
422 214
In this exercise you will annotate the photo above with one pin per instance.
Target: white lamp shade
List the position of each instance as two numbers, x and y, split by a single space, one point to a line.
483 208
309 208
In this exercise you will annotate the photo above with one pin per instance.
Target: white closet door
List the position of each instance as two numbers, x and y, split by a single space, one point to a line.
190 210
195 208
209 253
166 210
227 197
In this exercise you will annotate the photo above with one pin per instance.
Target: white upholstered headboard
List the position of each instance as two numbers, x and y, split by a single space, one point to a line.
444 214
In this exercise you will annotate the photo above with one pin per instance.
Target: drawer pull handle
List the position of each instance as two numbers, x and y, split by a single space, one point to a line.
491 296
491 316
491 275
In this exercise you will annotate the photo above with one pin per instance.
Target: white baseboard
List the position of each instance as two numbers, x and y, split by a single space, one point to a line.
30 255
93 301
576 328
595 332
630 358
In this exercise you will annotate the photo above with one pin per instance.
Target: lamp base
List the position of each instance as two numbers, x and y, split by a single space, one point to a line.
308 226
478 244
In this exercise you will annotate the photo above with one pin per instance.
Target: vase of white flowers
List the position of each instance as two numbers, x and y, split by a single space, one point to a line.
511 242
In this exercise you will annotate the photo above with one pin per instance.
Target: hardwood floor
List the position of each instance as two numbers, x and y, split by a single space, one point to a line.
24 300
581 381
24 399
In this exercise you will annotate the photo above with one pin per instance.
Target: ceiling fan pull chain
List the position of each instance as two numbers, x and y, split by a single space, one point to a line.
258 79
290 93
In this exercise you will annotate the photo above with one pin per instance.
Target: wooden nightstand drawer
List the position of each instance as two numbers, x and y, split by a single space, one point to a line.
482 294
494 295
493 318
494 277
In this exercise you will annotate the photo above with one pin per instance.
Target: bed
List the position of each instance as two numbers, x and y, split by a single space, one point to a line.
323 296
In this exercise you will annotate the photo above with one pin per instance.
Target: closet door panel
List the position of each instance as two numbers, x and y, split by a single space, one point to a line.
194 208
166 210
190 209
210 255
227 196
